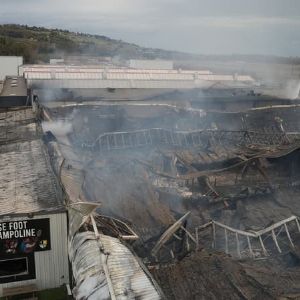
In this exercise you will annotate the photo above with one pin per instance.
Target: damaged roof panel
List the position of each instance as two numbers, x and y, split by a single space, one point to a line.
126 275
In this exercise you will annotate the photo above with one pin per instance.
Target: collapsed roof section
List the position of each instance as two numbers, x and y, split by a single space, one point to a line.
222 167
103 267
211 165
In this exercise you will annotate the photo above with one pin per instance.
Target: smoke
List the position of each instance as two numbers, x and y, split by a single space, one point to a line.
292 89
46 94
279 78
58 128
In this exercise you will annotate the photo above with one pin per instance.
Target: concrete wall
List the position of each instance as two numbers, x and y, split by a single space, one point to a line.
9 65
51 267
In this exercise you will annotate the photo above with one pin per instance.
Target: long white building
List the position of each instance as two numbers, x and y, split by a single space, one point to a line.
75 77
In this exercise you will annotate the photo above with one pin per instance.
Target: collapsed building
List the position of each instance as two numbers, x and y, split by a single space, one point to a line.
174 199
232 189
184 179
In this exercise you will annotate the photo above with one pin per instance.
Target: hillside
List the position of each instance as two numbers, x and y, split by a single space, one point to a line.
38 44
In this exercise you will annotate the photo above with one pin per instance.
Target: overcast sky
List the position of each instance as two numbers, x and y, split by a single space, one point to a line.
197 26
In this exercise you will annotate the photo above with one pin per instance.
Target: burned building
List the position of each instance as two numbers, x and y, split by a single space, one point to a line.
202 189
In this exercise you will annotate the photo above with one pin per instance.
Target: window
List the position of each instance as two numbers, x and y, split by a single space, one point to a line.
14 267
17 268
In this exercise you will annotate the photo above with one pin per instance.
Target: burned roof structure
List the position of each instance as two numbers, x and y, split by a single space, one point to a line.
185 179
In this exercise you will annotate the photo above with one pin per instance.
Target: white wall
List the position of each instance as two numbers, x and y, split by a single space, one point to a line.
150 64
55 61
9 65
51 267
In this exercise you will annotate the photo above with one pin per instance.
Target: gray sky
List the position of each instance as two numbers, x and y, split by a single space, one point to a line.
198 26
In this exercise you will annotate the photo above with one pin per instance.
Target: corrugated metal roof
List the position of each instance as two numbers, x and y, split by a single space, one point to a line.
14 86
97 69
27 183
126 275
107 74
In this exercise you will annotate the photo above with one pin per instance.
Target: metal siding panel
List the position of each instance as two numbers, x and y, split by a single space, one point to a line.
124 269
53 264
50 265
63 249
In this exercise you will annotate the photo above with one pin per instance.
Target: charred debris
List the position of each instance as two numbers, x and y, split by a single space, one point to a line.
204 199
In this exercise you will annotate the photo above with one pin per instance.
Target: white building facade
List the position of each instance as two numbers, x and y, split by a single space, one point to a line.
151 64
9 66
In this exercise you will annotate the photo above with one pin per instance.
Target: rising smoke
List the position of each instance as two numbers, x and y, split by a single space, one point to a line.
292 89
58 128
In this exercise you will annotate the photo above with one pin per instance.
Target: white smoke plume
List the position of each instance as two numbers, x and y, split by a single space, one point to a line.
292 89
58 128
